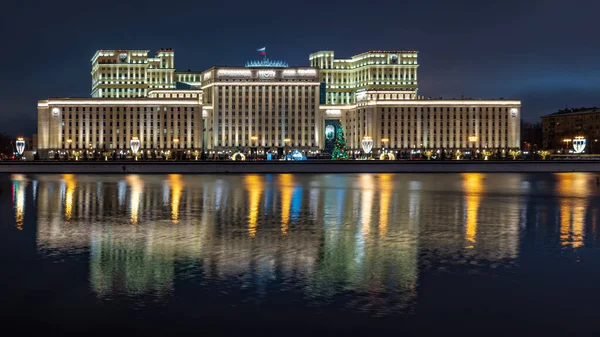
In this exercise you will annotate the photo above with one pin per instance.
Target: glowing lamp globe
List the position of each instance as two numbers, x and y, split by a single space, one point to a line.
20 146
134 144
367 144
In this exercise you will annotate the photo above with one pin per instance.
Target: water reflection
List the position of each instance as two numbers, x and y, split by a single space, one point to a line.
322 235
473 188
19 184
573 193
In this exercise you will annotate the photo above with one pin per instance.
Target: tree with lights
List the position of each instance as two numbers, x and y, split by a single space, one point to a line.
340 152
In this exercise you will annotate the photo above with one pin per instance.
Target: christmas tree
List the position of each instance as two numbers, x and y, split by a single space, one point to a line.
340 152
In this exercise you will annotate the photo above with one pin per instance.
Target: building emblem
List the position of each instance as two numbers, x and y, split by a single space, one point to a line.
513 112
55 112
266 74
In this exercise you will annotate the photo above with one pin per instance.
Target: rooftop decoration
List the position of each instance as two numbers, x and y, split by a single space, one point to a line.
266 63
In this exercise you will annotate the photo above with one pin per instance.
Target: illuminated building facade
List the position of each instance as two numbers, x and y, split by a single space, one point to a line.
564 129
264 107
90 123
131 73
374 95
430 124
269 106
392 72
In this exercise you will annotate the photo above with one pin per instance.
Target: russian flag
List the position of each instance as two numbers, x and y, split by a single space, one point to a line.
262 51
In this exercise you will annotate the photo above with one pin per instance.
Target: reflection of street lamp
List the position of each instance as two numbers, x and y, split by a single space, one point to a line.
69 141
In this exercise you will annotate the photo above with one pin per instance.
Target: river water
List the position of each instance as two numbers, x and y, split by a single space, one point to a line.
405 254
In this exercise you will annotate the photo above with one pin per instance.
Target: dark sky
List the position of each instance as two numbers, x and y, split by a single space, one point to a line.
545 53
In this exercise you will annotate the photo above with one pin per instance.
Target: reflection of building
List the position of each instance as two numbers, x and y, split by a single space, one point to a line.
268 106
561 128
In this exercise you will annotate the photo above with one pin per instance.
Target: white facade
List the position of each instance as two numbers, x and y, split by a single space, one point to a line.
93 123
261 107
269 106
131 73
373 70
433 124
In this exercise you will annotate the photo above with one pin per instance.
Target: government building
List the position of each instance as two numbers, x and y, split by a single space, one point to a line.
268 107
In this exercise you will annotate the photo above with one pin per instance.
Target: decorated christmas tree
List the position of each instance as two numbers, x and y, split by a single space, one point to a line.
340 152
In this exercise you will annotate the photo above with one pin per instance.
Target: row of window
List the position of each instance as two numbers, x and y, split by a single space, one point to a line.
131 109
124 124
124 116
125 131
271 144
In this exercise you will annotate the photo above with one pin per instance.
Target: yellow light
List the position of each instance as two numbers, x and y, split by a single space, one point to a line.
566 140
254 187
385 190
69 141
287 140
176 140
287 188
71 183
385 140
473 138
176 185
137 186
473 188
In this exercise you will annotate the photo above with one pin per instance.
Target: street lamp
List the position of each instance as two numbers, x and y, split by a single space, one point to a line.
367 144
69 141
254 140
20 144
134 144
385 142
287 144
567 140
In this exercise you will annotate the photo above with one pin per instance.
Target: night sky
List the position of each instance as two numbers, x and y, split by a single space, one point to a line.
545 53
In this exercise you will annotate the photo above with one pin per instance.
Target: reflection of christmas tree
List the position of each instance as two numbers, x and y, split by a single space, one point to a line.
339 151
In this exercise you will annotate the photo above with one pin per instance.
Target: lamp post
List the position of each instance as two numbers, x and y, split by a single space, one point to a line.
567 141
134 144
385 142
176 143
254 140
367 144
20 144
286 149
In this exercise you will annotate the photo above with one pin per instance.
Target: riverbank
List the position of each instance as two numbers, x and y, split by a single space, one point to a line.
309 166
